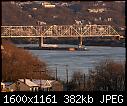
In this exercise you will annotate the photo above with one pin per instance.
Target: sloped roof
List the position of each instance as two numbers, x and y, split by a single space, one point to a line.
28 82
2 83
8 83
44 83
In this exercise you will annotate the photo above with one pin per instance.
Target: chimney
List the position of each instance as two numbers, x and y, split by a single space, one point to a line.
24 80
30 79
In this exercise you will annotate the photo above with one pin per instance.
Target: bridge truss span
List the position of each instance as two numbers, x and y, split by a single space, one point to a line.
58 31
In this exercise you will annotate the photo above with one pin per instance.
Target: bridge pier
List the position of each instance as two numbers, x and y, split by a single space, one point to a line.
41 41
80 42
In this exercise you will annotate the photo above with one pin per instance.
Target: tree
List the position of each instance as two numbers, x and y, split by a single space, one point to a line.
108 75
19 63
77 81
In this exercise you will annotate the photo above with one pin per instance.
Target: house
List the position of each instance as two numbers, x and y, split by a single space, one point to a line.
49 85
78 22
24 85
34 9
5 87
2 87
41 23
48 5
97 10
2 48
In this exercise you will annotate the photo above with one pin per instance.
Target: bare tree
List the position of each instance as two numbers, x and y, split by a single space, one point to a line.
77 81
107 75
19 63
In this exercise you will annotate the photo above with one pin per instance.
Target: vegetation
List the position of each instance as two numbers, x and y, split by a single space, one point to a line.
107 75
18 63
14 14
77 81
24 14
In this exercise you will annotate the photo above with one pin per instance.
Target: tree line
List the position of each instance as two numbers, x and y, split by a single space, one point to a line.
19 63
107 75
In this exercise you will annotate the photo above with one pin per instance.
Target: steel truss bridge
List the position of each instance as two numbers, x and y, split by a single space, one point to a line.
59 31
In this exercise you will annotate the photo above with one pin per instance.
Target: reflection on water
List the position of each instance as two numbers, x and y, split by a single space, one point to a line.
77 60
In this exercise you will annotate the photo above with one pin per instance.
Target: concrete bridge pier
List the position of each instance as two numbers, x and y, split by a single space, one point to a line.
41 42
80 42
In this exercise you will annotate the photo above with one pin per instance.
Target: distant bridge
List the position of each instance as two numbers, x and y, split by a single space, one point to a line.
58 31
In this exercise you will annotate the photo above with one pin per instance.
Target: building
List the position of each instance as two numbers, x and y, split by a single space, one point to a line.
49 85
2 87
32 85
24 85
48 5
5 87
34 9
2 48
97 10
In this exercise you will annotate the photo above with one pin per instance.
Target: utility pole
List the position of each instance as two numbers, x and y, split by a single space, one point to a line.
39 73
67 76
84 81
56 72
40 79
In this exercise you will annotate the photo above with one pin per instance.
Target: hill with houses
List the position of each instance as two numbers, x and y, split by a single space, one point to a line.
71 12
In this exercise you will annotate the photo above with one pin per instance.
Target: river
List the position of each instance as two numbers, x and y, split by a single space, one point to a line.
77 60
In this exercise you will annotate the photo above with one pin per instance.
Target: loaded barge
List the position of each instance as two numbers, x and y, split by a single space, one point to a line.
54 47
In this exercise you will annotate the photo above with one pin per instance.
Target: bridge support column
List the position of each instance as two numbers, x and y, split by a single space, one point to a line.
80 42
41 41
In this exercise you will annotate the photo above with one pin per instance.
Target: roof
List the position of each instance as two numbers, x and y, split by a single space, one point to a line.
8 83
2 83
28 82
44 83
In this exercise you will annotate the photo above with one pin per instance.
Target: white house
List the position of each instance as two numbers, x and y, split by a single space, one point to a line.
2 48
97 10
48 5
24 85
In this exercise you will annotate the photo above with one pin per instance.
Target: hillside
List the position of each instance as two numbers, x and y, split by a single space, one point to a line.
23 65
35 13
13 15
